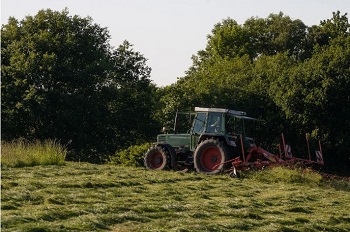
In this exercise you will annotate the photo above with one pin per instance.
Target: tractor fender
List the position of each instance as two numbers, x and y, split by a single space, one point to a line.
172 153
206 137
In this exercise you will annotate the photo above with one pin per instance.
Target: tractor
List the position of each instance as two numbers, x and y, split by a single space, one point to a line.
216 136
217 142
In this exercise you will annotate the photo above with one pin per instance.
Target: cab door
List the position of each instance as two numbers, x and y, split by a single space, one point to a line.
198 128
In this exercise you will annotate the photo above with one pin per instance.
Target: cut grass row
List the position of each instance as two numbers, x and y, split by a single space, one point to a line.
87 197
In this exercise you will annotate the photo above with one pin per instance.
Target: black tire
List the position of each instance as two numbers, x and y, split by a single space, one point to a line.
171 153
209 157
156 158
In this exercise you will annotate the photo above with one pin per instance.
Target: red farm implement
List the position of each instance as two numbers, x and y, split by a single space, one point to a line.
258 158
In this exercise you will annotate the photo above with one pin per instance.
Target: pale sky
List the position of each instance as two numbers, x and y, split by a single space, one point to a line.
169 32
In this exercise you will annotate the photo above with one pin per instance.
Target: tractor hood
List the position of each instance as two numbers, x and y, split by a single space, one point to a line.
175 140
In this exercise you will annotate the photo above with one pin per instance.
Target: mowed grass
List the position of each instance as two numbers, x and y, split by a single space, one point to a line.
87 197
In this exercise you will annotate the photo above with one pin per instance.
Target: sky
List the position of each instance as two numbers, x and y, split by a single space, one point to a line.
169 32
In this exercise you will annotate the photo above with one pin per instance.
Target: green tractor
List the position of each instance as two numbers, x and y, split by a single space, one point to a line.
215 137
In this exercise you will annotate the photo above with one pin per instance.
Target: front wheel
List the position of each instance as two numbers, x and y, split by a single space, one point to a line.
209 157
156 158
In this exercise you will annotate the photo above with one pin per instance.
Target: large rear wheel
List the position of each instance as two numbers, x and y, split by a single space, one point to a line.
156 158
209 157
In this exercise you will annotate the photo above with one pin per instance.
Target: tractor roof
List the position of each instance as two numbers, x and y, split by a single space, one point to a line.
219 110
235 113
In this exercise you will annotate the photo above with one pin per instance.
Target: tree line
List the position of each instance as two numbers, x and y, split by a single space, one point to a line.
62 79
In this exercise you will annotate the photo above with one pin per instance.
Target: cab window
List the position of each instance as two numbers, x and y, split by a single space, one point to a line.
198 126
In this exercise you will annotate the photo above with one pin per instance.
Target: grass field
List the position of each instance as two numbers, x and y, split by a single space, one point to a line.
87 197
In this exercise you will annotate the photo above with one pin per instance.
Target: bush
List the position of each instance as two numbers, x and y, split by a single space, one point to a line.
21 153
132 156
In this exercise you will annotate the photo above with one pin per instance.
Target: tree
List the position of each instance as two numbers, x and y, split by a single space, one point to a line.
228 39
61 79
257 36
337 26
315 97
285 35
46 57
133 104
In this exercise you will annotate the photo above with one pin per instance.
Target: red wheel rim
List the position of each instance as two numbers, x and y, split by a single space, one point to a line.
210 157
156 160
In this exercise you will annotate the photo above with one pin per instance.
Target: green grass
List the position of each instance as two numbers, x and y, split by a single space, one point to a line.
21 153
87 197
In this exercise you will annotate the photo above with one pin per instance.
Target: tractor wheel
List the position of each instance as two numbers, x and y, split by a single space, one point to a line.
156 158
209 157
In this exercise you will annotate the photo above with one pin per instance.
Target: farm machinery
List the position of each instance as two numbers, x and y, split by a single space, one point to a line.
217 142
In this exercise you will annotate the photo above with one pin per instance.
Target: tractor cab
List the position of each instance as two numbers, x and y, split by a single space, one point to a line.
226 125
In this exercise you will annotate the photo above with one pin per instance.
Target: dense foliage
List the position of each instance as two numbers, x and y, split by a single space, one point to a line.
296 78
62 80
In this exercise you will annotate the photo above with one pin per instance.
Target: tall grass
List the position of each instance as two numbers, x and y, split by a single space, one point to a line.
21 153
